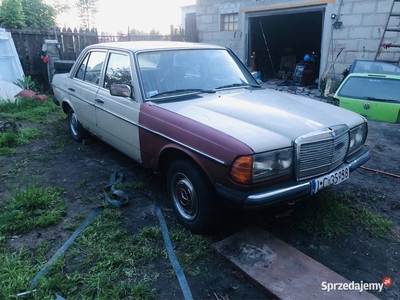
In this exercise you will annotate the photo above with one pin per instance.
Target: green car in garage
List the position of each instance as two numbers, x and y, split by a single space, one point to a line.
375 96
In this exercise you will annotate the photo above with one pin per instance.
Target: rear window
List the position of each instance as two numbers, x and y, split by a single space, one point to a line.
371 88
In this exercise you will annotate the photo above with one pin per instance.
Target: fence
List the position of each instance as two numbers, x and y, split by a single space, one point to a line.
29 43
189 36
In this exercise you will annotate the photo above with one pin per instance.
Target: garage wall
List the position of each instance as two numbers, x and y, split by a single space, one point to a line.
360 35
363 22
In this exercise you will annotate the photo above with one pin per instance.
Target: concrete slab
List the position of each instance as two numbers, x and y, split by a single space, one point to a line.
279 270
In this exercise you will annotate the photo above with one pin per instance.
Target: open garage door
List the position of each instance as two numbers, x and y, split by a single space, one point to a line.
290 34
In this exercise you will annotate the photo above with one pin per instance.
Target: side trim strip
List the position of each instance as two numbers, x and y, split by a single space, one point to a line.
152 131
75 96
166 137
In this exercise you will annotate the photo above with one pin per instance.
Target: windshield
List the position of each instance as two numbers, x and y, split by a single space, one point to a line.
176 72
371 88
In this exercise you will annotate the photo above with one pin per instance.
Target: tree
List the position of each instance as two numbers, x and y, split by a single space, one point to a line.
87 10
11 14
154 32
38 15
134 31
60 7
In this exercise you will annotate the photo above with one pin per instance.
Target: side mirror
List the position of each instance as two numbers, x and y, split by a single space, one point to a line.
121 90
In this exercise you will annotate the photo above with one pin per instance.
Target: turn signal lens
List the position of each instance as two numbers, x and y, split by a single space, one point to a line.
242 169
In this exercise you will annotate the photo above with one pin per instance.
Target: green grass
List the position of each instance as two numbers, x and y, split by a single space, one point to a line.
31 208
104 262
17 270
330 214
109 260
27 110
192 247
374 223
9 139
16 169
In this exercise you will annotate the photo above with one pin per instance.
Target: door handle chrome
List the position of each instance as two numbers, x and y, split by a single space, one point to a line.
71 89
98 100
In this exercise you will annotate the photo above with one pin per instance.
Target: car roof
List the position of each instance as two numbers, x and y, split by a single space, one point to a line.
153 45
372 75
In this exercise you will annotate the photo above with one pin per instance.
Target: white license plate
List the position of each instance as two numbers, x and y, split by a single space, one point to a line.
330 179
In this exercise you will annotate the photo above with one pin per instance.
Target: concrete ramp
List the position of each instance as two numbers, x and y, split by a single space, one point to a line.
281 271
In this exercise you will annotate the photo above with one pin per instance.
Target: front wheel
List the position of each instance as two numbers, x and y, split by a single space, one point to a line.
75 127
193 197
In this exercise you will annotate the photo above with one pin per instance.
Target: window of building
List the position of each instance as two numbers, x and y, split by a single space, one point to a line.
229 22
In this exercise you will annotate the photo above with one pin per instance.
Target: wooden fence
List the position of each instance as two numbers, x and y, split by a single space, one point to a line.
192 36
29 43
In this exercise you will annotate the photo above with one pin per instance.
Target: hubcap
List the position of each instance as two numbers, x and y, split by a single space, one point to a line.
74 124
184 197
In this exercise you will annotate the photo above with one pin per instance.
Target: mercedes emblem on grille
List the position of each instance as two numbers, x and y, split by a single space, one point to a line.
367 106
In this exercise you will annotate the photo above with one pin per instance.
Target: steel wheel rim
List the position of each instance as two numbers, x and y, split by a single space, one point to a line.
74 124
184 197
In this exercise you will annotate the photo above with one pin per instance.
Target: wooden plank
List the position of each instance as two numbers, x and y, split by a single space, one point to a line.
279 270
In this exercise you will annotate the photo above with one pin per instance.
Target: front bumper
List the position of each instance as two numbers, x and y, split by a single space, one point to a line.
286 191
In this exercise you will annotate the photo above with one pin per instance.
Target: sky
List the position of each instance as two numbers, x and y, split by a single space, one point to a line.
118 15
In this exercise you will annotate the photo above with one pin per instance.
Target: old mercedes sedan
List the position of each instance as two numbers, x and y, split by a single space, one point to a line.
194 113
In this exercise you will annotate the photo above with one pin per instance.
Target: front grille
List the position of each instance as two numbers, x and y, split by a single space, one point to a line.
321 152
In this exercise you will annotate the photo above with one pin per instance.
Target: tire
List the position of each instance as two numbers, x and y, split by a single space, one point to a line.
193 198
63 66
75 127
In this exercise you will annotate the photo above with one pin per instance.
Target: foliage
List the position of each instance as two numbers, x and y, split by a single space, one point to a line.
134 31
33 14
87 10
27 109
31 208
27 83
60 7
12 15
154 32
38 15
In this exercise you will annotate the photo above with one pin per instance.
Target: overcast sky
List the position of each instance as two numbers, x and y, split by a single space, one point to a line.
118 15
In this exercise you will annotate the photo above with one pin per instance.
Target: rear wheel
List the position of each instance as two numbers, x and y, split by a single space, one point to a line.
193 197
75 127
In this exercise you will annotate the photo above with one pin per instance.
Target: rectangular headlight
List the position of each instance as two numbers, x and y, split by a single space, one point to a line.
358 135
272 164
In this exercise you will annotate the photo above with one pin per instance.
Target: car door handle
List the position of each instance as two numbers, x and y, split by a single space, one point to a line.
71 89
98 100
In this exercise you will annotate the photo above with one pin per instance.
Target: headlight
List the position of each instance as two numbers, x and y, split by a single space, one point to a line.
263 166
358 136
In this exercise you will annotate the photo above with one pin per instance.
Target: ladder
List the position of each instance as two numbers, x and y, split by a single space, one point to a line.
383 45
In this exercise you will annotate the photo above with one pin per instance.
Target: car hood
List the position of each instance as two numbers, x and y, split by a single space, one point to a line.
263 119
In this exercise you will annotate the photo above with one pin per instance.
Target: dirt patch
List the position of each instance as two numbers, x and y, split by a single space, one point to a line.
83 170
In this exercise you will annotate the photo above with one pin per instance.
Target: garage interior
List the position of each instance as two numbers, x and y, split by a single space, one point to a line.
289 36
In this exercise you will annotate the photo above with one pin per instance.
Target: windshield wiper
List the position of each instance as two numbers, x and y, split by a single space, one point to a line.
235 85
381 99
190 91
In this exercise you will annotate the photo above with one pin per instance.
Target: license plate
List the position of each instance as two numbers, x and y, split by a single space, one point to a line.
330 179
